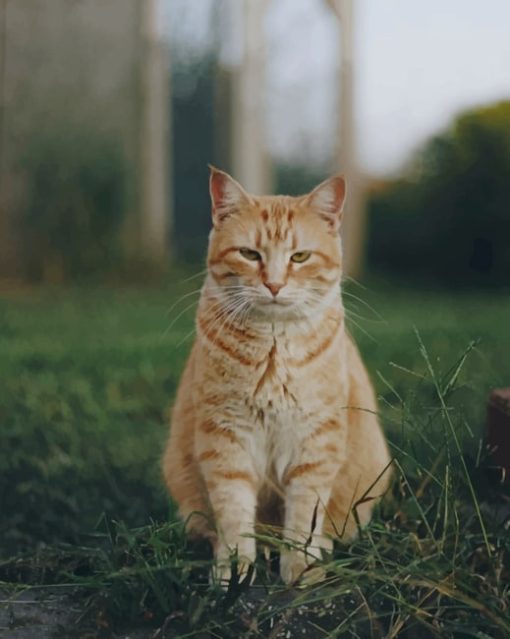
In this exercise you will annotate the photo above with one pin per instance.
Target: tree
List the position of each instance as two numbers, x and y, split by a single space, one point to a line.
449 218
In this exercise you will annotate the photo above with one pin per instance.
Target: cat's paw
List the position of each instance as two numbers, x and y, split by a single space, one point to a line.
313 575
240 560
296 566
292 565
221 573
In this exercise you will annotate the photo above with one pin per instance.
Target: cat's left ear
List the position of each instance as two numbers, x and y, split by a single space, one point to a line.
328 199
227 195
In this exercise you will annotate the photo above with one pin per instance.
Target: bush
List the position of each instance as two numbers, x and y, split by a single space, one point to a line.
448 218
74 203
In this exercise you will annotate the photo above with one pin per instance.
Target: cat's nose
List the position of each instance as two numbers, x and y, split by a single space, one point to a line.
274 287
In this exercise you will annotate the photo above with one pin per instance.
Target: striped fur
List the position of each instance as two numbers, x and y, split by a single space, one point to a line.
275 417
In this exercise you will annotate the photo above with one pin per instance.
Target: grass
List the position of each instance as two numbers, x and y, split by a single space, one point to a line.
86 379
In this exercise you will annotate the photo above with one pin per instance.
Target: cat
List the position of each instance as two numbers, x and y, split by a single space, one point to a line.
275 420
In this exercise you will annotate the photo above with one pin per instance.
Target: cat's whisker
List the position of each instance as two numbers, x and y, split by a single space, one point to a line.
221 315
362 317
219 300
228 317
226 293
176 319
314 299
247 312
225 312
312 296
366 304
201 273
173 322
348 278
365 332
183 297
238 314
186 337
245 303
228 287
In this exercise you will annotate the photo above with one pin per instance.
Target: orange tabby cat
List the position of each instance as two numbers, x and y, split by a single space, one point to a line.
275 417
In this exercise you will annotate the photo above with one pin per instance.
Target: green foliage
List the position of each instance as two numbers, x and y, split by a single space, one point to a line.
448 218
75 202
86 378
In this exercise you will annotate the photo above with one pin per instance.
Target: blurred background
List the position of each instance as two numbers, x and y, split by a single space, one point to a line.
110 111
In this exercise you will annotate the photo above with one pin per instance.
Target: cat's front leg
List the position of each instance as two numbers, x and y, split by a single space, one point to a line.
308 484
232 487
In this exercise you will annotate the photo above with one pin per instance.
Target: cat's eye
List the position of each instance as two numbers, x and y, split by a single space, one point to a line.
250 254
300 256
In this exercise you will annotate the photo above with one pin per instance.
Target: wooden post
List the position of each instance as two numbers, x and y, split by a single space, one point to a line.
155 216
4 225
249 153
346 162
498 432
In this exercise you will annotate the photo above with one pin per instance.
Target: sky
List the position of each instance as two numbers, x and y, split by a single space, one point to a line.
417 64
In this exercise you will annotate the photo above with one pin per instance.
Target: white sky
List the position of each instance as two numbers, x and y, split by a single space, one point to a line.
417 64
420 63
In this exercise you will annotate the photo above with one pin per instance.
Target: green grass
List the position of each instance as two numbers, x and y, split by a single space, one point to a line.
86 380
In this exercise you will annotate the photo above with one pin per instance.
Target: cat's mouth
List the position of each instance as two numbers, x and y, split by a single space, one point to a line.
276 309
276 302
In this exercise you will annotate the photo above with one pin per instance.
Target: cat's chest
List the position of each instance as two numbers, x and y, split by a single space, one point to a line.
279 419
284 398
279 386
284 405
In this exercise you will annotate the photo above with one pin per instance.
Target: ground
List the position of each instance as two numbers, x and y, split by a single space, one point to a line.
86 380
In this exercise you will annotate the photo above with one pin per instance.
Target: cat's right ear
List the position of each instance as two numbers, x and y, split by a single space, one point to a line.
227 195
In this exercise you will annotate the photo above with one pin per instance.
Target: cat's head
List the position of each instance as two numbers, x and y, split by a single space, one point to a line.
279 255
